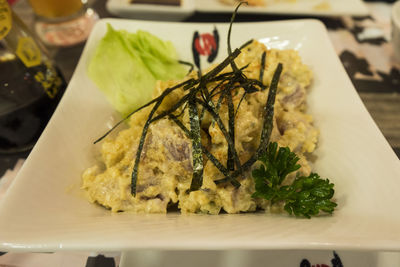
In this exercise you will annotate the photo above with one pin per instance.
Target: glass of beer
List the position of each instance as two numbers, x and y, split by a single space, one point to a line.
63 23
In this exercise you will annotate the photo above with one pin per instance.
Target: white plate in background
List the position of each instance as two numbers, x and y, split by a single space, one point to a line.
44 210
126 9
321 8
292 7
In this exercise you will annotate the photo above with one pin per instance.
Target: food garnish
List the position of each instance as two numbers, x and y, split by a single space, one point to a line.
305 196
126 66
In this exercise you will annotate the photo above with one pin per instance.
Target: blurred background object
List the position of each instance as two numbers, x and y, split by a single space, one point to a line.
30 85
167 10
63 23
56 9
396 30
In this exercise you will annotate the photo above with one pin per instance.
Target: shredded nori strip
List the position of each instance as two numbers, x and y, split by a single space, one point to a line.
221 126
164 94
140 147
177 105
187 64
269 111
234 67
268 115
197 153
262 68
231 130
208 154
261 77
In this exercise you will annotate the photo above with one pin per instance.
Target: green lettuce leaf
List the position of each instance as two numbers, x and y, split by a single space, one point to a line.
125 66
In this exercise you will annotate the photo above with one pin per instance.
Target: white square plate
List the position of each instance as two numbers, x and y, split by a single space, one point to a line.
293 7
44 210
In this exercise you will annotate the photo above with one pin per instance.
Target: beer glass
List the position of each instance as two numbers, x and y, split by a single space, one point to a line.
63 22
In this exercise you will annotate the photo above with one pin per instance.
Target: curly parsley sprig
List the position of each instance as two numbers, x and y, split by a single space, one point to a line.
306 196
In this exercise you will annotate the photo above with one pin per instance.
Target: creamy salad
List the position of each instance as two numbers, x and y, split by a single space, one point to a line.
166 164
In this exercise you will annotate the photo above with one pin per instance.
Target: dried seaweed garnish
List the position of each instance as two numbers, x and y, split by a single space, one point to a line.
199 96
162 96
197 153
191 65
269 111
231 130
208 154
177 105
140 147
262 68
233 64
219 84
261 77
221 126
268 115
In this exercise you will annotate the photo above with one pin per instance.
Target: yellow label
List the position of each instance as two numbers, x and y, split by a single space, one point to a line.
5 18
50 81
28 52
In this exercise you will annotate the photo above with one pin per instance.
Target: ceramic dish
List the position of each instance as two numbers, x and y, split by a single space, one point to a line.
124 8
45 211
296 7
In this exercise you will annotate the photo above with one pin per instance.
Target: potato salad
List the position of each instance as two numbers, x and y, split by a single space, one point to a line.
166 167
